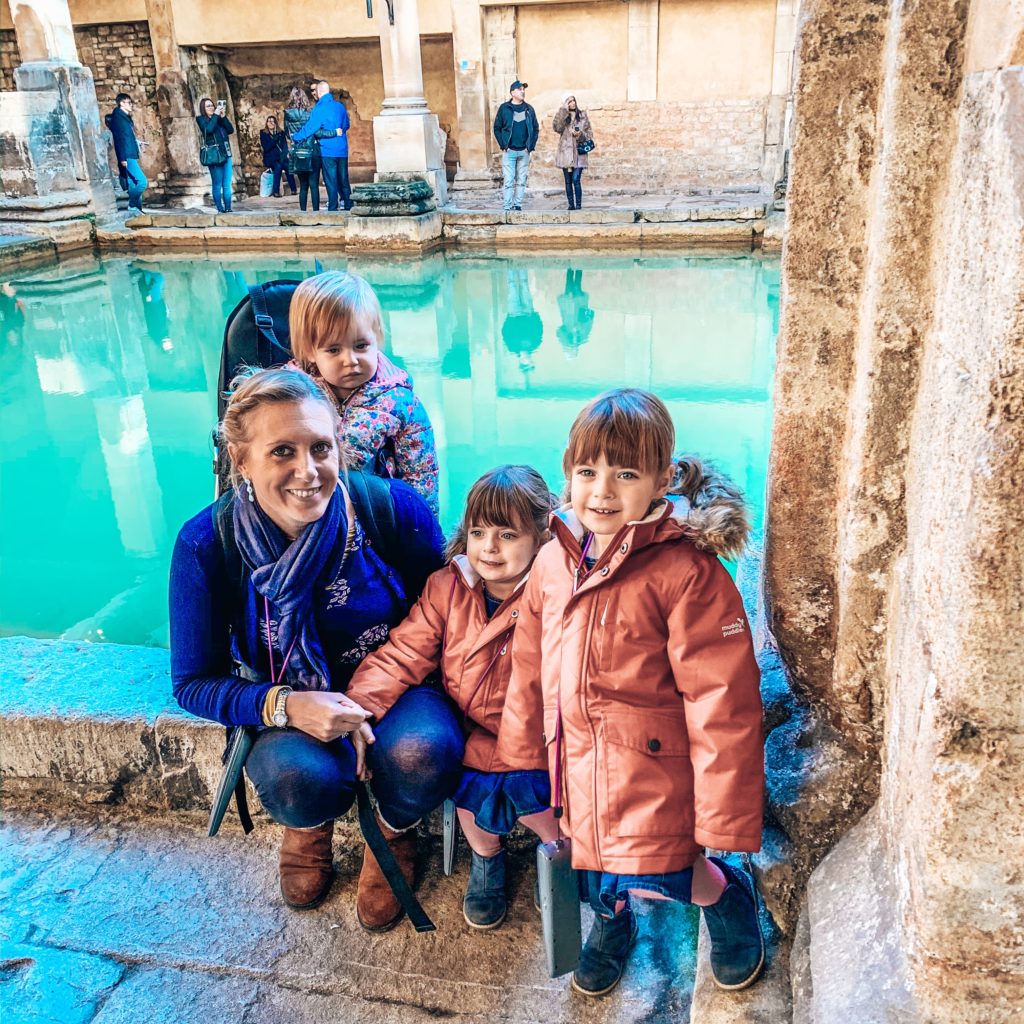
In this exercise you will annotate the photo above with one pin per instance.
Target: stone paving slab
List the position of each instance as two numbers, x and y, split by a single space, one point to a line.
141 918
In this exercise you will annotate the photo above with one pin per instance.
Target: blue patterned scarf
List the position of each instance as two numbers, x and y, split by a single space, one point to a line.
287 572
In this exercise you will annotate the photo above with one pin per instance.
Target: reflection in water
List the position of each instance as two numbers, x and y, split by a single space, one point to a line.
109 371
577 316
522 330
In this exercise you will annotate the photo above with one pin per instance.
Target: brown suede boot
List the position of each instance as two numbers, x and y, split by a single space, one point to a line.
376 907
307 866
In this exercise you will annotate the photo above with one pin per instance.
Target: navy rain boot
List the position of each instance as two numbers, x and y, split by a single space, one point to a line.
603 957
485 904
737 943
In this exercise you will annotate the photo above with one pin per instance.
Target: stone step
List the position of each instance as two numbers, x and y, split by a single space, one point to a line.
124 920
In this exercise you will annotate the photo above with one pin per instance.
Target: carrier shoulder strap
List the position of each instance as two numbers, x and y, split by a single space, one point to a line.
261 314
222 511
371 497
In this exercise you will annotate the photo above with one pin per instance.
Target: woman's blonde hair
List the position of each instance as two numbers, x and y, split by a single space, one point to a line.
513 496
254 388
629 427
321 309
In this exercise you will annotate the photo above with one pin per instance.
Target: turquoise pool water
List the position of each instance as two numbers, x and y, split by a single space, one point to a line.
110 372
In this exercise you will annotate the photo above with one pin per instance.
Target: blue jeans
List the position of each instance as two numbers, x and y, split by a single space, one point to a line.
280 168
515 165
573 186
135 182
220 176
335 169
416 763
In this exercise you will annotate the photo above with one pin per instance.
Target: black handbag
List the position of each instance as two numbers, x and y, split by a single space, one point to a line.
212 154
301 157
585 146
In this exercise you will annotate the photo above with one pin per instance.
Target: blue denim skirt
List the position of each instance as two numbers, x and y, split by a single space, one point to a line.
499 799
603 890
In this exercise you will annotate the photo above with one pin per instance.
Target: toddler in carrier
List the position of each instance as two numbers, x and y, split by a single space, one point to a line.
634 675
465 624
336 331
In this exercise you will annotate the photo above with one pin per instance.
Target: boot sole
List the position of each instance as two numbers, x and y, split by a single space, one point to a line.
485 927
604 991
377 929
312 904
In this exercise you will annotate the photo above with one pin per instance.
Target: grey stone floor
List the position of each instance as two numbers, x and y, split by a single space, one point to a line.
110 919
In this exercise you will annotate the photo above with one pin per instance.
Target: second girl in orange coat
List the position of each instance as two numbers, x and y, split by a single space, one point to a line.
464 624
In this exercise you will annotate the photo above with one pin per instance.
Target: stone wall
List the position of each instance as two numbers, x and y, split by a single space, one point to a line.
9 59
662 145
896 530
120 57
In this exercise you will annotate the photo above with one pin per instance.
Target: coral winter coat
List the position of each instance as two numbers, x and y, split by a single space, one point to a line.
652 664
448 628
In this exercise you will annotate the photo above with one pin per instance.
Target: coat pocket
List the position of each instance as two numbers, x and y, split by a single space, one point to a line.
648 779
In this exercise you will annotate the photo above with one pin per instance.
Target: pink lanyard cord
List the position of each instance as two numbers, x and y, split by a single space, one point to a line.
502 646
270 648
557 804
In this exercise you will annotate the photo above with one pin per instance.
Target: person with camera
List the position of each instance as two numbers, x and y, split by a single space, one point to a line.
575 141
215 149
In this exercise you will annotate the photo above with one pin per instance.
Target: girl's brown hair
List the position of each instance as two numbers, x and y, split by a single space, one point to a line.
202 105
321 309
254 388
629 427
513 496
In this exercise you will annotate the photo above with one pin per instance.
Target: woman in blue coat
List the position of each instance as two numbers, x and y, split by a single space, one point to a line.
275 598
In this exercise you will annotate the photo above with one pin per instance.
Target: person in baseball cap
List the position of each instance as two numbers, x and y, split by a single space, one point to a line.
516 130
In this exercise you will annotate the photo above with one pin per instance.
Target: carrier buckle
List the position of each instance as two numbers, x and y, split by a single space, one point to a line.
262 320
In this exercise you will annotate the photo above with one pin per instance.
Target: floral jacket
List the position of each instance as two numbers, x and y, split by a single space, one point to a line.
387 431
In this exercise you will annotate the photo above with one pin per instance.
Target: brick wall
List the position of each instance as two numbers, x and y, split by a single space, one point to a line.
9 59
120 57
660 146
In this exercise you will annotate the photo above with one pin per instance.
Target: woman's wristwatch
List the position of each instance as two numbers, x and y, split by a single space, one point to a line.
280 715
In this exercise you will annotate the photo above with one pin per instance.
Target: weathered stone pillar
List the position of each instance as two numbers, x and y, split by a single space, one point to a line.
407 137
778 114
471 97
501 61
186 176
46 41
642 69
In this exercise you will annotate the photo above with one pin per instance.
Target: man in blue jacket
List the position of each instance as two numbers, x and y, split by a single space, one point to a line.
516 130
330 114
126 148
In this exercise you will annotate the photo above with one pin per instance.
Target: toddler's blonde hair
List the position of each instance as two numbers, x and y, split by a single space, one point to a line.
321 309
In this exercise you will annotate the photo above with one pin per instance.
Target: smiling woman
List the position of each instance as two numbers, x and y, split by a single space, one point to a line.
275 598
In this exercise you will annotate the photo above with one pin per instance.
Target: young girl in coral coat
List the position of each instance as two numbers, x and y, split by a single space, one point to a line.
635 675
464 623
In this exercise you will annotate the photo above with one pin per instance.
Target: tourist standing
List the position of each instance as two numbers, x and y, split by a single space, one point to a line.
516 130
304 159
575 141
127 149
330 115
275 155
215 149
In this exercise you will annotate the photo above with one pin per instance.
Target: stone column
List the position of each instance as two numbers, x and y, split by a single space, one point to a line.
46 41
501 66
471 98
779 112
407 137
186 176
642 73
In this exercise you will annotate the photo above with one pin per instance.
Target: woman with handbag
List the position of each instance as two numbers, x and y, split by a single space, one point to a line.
215 149
277 592
575 142
304 157
275 155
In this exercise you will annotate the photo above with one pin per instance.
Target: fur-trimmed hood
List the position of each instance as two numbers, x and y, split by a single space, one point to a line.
704 502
